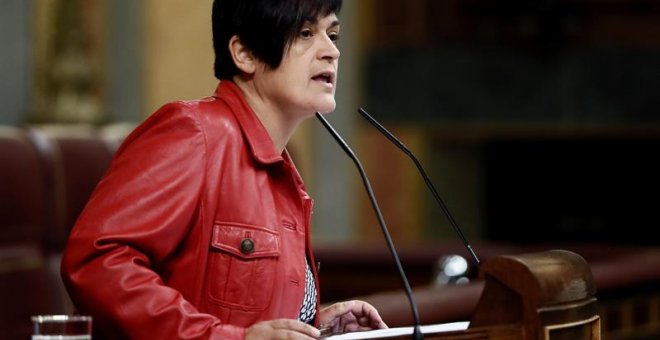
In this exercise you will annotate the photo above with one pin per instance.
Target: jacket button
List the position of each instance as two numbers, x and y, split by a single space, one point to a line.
247 246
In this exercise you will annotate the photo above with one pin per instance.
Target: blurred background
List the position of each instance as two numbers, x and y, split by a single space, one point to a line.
538 122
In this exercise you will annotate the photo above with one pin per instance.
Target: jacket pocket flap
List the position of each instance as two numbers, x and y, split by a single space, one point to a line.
245 241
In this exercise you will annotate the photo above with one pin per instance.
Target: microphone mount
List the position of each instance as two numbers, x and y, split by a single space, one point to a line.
427 180
417 333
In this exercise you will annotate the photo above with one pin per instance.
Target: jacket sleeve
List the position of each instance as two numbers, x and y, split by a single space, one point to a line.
137 216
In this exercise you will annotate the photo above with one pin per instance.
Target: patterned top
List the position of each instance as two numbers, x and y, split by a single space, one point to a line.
308 308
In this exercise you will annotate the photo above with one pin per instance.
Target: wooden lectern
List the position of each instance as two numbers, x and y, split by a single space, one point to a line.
547 295
541 296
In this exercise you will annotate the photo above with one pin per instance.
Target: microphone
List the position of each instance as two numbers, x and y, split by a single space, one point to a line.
417 332
427 180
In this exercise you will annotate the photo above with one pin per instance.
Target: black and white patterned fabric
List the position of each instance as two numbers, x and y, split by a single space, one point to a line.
308 308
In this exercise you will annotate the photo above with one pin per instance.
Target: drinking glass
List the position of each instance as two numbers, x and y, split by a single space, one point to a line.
61 327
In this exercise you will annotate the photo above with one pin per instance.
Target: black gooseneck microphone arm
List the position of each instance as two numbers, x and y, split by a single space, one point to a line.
428 182
417 333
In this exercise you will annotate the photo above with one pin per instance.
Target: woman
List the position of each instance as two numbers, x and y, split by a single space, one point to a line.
200 228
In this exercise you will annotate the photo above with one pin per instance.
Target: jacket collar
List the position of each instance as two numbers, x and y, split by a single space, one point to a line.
263 149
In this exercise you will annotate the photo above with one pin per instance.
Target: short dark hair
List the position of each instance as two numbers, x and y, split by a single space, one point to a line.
266 27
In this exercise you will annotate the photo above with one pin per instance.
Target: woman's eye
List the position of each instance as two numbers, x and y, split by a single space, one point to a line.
334 36
306 34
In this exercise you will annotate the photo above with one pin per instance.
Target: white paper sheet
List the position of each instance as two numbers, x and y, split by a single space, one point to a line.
399 331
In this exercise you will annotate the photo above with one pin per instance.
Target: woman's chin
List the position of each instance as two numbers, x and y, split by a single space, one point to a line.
326 107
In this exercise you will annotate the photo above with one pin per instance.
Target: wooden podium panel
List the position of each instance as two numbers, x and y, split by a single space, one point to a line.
550 295
547 295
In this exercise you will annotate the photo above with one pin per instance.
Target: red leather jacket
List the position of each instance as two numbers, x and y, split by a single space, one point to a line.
198 230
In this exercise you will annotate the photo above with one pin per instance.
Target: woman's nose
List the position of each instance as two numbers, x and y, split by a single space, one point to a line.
329 50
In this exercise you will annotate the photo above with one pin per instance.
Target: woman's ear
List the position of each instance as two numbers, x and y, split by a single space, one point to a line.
242 56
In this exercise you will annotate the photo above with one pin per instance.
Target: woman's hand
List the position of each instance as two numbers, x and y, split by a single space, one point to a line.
350 316
281 329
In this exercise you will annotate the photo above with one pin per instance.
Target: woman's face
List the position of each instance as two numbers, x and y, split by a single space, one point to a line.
306 79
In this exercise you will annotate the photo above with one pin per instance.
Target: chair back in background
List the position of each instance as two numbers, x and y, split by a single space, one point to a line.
26 285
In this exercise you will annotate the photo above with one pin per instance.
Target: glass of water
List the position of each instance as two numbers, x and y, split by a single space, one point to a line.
61 327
